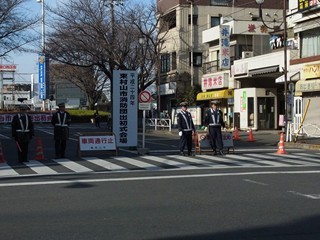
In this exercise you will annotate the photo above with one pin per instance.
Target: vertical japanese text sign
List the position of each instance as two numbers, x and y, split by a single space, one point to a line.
125 108
225 47
42 76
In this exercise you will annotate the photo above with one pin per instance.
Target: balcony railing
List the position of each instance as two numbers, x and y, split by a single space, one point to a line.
213 66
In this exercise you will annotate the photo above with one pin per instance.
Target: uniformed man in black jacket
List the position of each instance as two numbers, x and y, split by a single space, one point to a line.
186 128
214 122
22 132
61 121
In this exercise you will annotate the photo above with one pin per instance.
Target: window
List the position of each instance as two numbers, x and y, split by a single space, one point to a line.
165 63
215 21
197 59
194 19
310 43
219 2
174 61
168 21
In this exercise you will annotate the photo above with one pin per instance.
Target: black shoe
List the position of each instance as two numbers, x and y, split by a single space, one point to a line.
181 153
189 154
214 153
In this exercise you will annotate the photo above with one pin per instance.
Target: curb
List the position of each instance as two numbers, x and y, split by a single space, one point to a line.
302 145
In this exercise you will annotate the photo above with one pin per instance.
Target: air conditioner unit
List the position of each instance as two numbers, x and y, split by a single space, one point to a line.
247 54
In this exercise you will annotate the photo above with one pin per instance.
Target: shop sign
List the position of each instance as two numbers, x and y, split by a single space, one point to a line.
214 81
225 47
307 4
308 86
311 71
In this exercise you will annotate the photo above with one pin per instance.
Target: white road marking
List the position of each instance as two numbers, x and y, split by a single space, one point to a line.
155 178
138 163
312 196
105 164
6 170
39 168
272 163
72 165
255 182
169 162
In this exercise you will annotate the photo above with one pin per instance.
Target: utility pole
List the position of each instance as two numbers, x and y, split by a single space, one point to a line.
191 42
286 118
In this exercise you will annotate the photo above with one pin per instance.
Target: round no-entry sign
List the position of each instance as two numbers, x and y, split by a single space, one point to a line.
144 97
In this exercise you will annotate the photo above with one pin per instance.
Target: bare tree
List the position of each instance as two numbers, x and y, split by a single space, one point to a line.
15 24
86 35
87 79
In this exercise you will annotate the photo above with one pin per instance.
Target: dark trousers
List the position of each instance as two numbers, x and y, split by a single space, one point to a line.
97 123
186 139
216 138
60 147
23 151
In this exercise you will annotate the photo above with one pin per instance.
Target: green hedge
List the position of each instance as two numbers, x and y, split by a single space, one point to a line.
83 116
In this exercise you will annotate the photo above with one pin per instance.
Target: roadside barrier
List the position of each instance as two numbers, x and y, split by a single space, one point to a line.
39 150
1 155
251 139
281 149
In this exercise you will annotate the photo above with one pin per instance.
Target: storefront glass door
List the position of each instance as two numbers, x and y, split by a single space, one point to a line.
266 112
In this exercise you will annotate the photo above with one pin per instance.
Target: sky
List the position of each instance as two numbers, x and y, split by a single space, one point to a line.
27 63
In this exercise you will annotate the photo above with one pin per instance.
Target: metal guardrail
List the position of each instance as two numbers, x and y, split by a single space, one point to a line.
159 123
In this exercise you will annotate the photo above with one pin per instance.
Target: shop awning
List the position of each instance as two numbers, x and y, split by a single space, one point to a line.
265 70
228 93
291 76
308 85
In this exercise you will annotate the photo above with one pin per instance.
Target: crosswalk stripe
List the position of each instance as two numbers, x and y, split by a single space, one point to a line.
181 164
105 164
297 159
197 160
169 162
72 165
6 170
165 162
138 163
236 159
39 168
271 163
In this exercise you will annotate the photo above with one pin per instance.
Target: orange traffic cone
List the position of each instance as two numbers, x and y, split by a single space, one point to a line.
1 155
251 139
39 150
281 149
236 134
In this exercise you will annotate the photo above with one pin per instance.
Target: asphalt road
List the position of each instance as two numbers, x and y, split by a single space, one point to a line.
270 204
252 194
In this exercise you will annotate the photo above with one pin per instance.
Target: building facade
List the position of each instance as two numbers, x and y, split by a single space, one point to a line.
191 55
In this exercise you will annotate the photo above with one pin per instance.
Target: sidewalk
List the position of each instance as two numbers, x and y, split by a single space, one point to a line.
261 138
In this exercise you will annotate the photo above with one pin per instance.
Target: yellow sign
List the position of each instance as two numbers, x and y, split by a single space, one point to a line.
306 4
229 93
311 71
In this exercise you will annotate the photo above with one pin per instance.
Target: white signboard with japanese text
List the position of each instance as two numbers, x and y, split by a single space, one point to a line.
97 143
125 108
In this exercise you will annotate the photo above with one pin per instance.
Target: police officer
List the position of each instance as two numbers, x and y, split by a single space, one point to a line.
22 132
61 121
214 121
186 128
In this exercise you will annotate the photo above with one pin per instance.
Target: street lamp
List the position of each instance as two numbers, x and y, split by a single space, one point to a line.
285 68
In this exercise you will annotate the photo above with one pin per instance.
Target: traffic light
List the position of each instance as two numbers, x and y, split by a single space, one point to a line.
21 99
